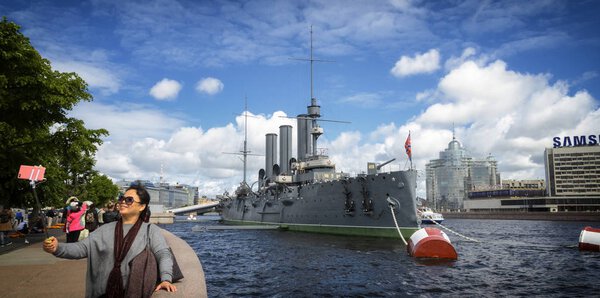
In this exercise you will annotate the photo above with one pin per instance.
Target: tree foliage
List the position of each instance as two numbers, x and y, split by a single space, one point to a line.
35 128
100 190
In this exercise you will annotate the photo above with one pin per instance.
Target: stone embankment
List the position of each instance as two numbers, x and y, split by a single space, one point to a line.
27 271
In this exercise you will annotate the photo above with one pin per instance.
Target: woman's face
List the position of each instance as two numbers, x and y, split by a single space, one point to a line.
130 204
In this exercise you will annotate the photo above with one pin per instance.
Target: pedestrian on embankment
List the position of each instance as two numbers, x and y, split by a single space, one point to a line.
75 220
110 214
112 247
6 225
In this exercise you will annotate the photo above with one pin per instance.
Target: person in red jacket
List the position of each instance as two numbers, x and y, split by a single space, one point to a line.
75 224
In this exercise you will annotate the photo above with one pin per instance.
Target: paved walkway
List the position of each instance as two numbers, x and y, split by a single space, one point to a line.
27 271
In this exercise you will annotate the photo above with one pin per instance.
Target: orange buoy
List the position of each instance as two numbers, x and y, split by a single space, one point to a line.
431 243
589 239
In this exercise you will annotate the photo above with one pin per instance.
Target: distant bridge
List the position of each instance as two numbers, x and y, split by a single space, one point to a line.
200 208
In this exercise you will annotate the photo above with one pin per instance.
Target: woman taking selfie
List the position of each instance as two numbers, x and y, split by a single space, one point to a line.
112 246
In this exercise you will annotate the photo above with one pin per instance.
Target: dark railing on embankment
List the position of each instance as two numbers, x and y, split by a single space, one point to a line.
554 216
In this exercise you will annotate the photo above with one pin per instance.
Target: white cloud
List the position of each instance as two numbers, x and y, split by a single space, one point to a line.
468 54
165 89
210 86
536 43
509 114
127 122
426 96
586 76
95 75
420 63
142 139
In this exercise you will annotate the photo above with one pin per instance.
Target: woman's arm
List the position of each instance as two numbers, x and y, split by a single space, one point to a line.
165 274
163 258
77 250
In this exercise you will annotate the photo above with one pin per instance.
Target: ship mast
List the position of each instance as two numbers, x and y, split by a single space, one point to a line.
311 64
314 110
245 152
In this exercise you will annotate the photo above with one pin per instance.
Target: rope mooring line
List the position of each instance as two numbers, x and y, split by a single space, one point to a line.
451 231
397 227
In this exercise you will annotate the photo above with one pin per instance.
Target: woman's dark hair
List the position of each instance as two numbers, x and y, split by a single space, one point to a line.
141 191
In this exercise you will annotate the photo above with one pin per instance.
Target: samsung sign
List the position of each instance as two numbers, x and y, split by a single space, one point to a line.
574 141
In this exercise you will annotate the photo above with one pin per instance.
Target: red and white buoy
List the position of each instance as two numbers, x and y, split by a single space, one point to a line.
589 239
431 243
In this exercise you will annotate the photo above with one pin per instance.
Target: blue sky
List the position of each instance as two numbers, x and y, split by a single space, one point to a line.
169 79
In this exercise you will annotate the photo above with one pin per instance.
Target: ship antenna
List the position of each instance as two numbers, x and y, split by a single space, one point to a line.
311 63
311 60
245 152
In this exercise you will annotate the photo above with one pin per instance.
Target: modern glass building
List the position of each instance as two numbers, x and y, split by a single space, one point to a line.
454 174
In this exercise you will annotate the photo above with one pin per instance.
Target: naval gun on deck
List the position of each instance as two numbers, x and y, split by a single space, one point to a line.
373 168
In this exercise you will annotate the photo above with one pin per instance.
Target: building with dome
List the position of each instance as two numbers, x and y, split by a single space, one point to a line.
450 178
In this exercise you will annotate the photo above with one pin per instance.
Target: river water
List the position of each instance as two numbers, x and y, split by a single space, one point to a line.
514 258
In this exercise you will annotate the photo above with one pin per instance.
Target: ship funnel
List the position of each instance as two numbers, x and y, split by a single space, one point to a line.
285 147
304 136
271 153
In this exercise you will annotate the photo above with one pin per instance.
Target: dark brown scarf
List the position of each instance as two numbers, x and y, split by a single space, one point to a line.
114 286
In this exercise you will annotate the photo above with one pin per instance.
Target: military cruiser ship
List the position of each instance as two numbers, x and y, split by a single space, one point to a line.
306 193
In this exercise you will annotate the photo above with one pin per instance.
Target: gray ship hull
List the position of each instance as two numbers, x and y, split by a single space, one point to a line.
350 206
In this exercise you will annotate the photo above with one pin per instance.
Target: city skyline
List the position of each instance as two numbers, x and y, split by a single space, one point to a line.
170 79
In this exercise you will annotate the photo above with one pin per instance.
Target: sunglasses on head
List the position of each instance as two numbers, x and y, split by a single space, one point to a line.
127 200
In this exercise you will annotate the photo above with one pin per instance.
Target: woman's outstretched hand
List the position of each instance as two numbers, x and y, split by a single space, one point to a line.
50 245
169 287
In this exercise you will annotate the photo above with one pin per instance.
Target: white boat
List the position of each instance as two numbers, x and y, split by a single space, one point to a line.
429 217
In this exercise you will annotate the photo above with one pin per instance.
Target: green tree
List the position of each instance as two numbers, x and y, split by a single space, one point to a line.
75 148
34 126
100 190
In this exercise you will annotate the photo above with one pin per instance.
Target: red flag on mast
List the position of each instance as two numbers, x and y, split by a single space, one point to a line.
408 147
